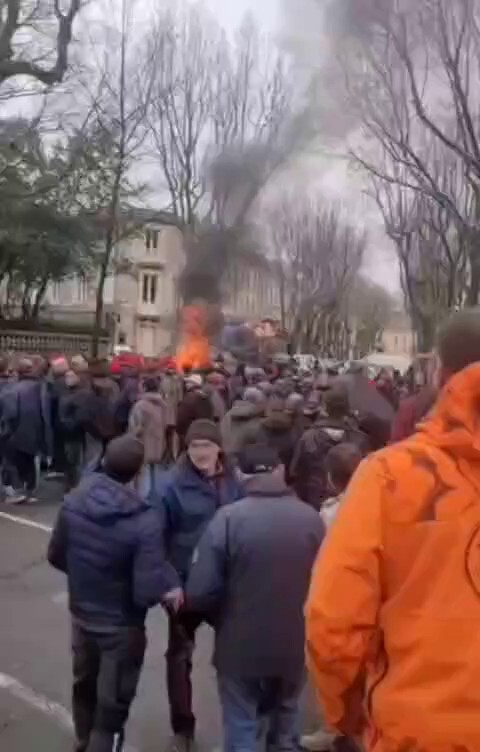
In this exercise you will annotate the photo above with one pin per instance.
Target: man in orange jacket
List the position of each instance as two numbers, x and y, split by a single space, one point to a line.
393 614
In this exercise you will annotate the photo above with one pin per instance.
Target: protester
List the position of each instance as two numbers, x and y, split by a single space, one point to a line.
72 418
26 430
279 430
308 471
196 405
108 542
411 411
402 616
148 422
56 387
196 488
250 579
242 423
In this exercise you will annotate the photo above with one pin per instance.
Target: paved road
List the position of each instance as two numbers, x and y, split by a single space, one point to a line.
34 651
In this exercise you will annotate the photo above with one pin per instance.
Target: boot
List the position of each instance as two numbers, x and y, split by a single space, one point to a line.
102 741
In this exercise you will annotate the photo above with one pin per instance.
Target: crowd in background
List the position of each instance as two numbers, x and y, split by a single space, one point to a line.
209 492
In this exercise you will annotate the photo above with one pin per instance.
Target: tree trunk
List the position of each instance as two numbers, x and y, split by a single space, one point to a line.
474 287
35 312
99 306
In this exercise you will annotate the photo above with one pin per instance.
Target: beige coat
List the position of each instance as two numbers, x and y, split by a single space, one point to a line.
148 422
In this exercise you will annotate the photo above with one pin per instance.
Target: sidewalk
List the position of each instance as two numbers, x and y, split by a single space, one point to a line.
24 729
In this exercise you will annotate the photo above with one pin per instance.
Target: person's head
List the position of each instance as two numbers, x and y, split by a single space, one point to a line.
40 366
255 396
260 459
294 403
25 368
72 379
79 364
458 344
341 463
193 382
312 405
124 458
151 384
59 367
204 445
337 404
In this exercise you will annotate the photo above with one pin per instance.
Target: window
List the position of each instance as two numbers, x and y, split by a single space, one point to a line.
149 288
151 239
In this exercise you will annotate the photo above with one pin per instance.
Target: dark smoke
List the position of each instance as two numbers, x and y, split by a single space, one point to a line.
234 179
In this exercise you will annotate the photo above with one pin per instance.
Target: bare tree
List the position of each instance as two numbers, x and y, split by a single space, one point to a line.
116 136
317 257
412 86
217 106
20 17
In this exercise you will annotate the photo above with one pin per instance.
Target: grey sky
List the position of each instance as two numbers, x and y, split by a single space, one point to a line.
231 12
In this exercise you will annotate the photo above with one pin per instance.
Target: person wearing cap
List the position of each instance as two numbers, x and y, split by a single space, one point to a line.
107 541
201 483
250 578
196 405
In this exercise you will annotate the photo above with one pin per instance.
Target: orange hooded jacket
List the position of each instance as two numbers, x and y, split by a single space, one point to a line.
393 614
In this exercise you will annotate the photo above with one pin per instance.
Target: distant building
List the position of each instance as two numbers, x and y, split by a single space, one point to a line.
141 292
398 337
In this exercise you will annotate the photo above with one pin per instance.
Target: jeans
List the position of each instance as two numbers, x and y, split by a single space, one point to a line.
181 643
260 709
106 670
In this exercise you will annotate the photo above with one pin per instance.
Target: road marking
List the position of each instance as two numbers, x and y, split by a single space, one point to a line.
52 709
27 523
39 702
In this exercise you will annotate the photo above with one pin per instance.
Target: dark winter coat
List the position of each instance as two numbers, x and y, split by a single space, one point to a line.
108 542
280 432
240 425
186 502
251 576
101 422
26 417
307 471
196 405
73 413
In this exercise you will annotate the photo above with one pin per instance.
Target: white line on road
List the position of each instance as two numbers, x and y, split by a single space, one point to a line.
27 523
57 712
53 710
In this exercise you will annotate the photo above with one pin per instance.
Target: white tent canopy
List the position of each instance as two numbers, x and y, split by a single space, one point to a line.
382 360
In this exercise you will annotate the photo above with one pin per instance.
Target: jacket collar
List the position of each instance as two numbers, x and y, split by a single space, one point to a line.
265 484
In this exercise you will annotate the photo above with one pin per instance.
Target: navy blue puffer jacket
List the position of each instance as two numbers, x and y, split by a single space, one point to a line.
109 543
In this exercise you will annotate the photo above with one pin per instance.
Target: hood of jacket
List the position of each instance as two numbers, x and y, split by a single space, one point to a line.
243 410
454 423
153 398
103 499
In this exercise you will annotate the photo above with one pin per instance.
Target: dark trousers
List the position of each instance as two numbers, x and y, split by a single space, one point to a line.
181 643
106 670
260 709
24 464
74 457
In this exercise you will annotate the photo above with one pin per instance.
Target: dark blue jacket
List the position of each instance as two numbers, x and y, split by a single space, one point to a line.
108 542
26 416
251 576
186 501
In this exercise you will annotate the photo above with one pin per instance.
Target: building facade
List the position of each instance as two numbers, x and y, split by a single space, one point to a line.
141 292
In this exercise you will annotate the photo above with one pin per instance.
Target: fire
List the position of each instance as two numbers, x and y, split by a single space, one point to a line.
194 349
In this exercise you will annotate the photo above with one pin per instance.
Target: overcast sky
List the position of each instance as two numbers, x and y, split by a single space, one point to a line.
230 12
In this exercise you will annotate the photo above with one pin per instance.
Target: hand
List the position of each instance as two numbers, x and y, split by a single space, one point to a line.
174 600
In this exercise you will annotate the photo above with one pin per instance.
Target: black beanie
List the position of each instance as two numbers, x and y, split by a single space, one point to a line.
204 430
124 458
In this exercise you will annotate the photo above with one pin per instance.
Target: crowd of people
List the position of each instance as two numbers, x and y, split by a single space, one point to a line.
212 493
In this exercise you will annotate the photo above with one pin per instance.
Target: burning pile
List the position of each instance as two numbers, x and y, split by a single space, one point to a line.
194 349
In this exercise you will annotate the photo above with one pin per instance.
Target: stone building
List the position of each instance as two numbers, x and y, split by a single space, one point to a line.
141 292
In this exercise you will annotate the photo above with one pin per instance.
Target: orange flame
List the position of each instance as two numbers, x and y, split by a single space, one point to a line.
194 349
